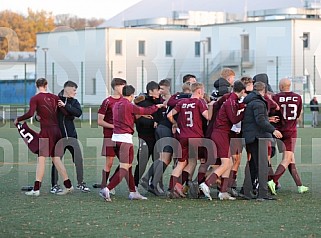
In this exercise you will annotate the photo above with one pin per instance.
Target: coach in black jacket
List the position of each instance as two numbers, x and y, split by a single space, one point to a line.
257 132
69 133
145 126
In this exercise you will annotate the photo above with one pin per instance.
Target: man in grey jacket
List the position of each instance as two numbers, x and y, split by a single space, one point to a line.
257 132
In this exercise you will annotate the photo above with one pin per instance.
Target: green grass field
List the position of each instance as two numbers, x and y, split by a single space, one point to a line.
80 214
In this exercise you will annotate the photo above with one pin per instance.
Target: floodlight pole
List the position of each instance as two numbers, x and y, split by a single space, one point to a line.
45 50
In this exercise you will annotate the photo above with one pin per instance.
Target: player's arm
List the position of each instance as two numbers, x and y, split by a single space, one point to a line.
300 108
30 113
102 123
74 109
145 110
170 117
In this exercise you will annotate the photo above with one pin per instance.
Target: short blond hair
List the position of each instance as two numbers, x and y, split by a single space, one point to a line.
227 72
186 86
196 86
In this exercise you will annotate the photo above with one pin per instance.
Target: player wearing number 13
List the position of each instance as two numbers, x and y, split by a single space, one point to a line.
290 105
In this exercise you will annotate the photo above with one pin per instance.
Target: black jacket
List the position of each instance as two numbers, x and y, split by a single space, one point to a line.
256 123
314 106
66 123
221 87
145 126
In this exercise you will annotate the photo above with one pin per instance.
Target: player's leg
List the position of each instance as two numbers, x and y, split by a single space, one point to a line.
75 151
63 173
223 194
296 177
142 160
109 153
174 183
40 171
54 180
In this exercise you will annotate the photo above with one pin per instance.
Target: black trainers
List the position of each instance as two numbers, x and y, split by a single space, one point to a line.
56 189
82 187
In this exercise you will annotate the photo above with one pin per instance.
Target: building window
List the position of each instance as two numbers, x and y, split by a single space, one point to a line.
197 48
306 40
118 47
91 87
245 47
168 48
141 47
209 46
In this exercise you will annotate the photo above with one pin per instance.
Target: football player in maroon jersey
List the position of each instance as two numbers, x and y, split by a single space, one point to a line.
105 120
227 116
46 106
123 120
290 105
190 112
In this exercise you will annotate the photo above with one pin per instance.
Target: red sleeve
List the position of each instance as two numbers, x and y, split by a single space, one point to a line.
202 106
143 110
178 106
232 108
172 101
299 107
103 107
31 112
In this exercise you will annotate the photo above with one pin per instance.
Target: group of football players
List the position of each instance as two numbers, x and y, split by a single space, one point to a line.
191 126
188 128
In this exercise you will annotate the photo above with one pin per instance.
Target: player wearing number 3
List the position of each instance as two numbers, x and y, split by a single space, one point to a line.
190 112
290 105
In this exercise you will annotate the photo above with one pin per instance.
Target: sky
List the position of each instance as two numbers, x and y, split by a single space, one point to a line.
82 8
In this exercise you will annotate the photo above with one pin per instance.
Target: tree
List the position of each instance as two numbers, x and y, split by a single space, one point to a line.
18 32
77 22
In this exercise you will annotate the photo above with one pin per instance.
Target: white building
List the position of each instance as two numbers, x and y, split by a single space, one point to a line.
92 57
280 48
18 65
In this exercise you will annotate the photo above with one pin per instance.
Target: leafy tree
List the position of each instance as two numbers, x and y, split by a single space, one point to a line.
18 32
77 22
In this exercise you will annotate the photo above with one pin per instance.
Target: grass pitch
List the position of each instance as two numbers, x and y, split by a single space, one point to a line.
80 214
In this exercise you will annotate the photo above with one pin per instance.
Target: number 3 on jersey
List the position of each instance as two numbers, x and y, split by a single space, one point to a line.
293 111
189 118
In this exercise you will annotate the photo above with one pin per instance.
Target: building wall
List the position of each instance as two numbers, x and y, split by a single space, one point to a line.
79 56
95 50
156 64
276 47
16 70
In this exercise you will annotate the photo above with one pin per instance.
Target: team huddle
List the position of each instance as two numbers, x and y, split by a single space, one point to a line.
188 128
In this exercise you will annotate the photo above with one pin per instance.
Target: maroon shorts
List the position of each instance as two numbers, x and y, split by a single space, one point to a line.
124 152
108 148
289 140
192 149
222 142
50 144
236 143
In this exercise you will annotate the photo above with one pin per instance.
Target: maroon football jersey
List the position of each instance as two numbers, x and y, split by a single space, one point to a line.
229 114
290 108
124 115
189 119
46 105
30 137
106 109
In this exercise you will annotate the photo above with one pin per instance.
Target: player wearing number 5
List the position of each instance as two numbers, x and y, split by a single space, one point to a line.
46 106
290 105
